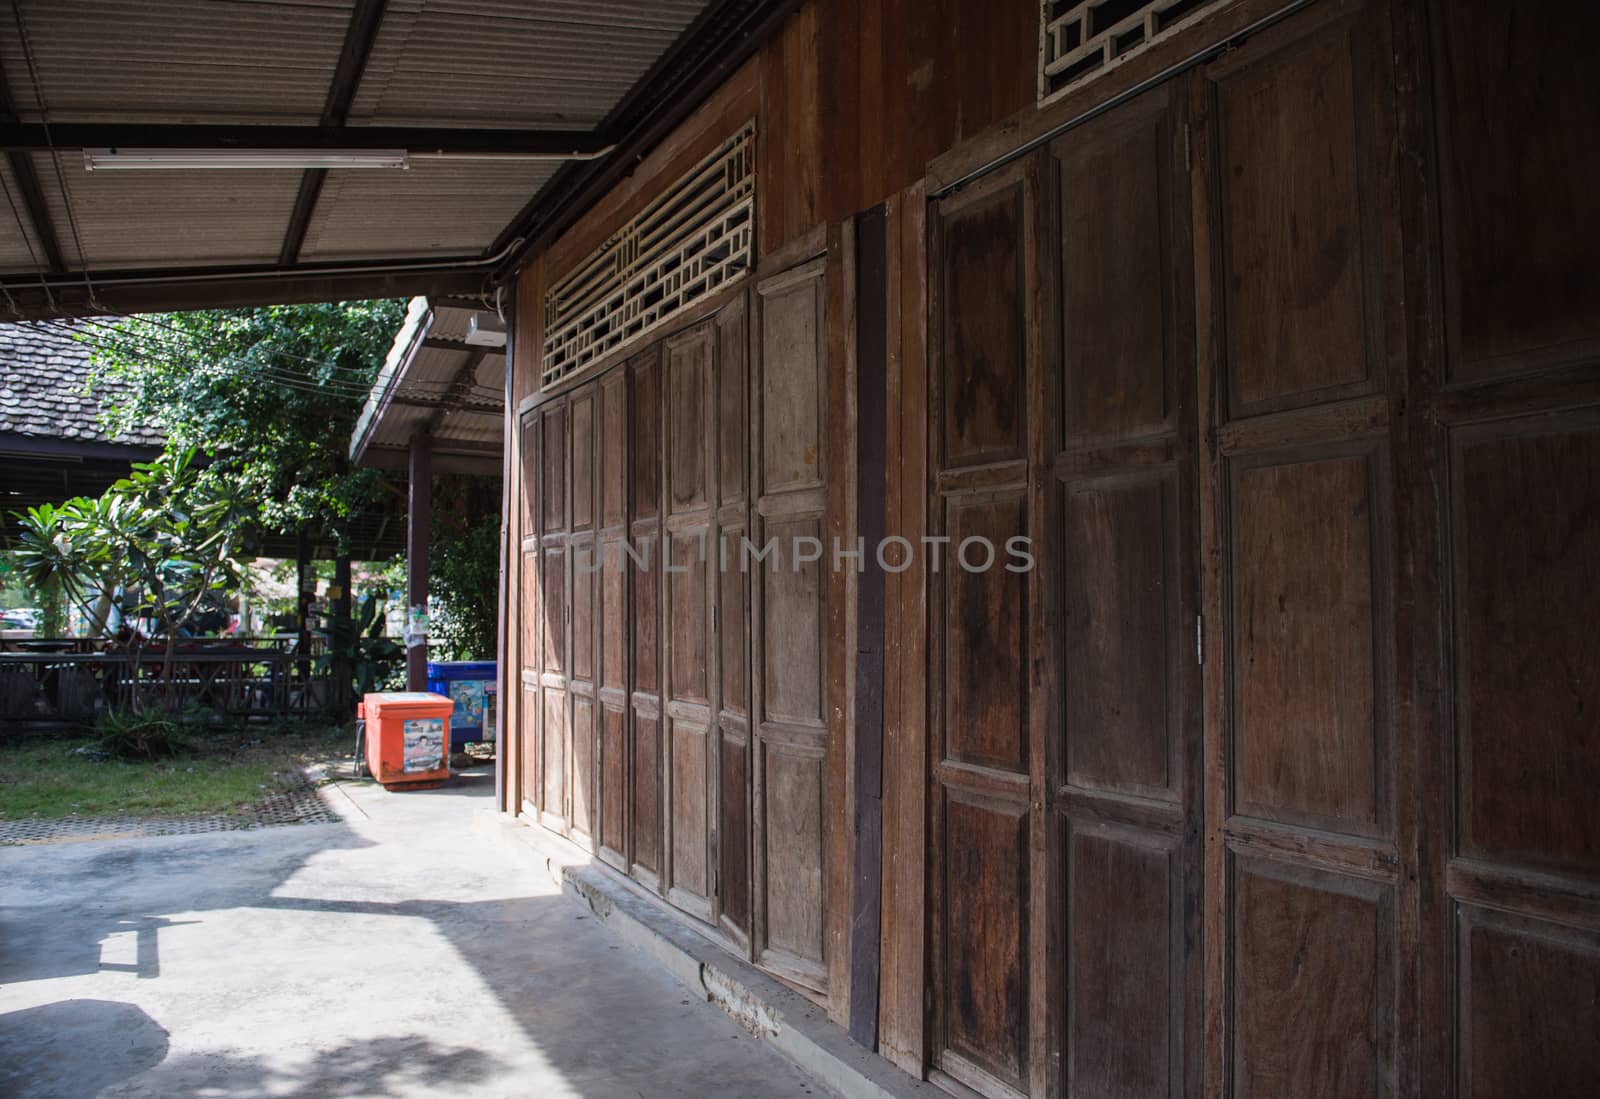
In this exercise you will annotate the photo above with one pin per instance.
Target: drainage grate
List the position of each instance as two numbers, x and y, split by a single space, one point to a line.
301 803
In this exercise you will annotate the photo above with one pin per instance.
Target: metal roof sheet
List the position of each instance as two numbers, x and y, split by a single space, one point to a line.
548 64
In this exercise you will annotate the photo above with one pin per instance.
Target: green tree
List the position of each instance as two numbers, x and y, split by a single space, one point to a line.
270 395
162 541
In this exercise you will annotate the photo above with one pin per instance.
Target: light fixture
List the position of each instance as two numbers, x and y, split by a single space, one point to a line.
96 160
486 330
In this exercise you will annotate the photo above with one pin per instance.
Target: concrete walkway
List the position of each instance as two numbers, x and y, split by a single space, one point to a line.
395 954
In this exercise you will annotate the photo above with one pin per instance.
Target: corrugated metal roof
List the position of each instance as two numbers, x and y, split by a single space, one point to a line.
149 218
549 64
423 385
445 206
175 60
19 246
553 63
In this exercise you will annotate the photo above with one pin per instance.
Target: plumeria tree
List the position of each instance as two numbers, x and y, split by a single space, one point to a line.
160 545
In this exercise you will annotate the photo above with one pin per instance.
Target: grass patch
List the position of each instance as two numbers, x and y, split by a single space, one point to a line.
219 770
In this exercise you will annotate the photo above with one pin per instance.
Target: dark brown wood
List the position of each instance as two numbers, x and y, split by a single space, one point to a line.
1309 853
730 623
789 627
614 619
691 773
987 930
1519 222
645 410
872 320
902 1017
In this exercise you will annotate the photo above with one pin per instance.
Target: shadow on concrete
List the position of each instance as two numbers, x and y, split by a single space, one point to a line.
42 1048
571 995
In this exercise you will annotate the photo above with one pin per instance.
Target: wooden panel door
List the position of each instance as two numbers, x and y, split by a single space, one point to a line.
688 576
988 627
788 623
1124 751
1514 412
644 575
529 736
613 617
584 570
554 587
731 625
1312 849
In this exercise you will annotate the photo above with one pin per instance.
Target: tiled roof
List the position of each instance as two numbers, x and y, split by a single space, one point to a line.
43 371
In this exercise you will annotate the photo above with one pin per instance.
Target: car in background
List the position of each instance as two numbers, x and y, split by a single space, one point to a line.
17 624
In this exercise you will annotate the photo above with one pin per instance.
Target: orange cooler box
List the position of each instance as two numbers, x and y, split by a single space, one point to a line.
408 737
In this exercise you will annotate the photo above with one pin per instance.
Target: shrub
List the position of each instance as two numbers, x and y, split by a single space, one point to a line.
139 736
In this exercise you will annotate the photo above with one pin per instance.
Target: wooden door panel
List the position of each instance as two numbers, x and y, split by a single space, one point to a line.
1116 271
791 398
1124 943
734 825
733 634
988 419
1530 1007
530 729
1526 543
688 630
1295 213
1122 637
613 835
583 459
691 879
986 955
983 340
613 612
613 417
986 637
793 793
532 623
1515 85
646 792
553 574
554 448
585 573
791 596
1309 733
789 740
1306 980
645 583
732 411
644 407
583 737
688 359
532 475
553 767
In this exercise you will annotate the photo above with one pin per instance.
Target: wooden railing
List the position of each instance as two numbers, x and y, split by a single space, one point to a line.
71 680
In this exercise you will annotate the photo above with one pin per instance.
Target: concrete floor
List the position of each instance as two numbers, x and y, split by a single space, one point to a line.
395 954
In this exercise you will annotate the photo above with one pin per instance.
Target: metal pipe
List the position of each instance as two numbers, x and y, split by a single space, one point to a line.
1092 113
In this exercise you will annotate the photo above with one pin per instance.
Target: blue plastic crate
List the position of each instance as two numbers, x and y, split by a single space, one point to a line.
470 684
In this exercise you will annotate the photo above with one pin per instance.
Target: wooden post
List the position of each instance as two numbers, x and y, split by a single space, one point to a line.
419 516
341 690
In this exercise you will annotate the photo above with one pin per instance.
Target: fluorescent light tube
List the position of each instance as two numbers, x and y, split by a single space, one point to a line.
95 160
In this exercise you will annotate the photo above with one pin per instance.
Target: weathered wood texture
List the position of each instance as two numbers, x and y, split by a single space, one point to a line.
1274 776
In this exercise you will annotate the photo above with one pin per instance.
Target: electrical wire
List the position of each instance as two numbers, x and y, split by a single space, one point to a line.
145 346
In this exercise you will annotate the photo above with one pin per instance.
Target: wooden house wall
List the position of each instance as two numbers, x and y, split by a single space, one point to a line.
1277 775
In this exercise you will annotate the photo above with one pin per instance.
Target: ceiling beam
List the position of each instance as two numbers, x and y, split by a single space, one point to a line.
721 39
170 289
44 229
419 141
362 32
